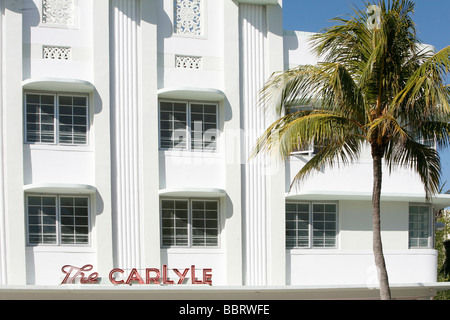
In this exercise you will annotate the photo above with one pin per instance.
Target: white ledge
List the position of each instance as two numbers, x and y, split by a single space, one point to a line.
203 292
60 188
193 192
191 93
440 200
58 85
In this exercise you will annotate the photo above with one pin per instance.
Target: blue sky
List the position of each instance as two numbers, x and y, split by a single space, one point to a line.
431 18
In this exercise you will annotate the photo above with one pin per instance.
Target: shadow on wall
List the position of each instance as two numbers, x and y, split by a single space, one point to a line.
31 14
290 41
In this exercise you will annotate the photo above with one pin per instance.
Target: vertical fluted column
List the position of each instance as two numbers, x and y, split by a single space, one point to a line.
125 129
253 34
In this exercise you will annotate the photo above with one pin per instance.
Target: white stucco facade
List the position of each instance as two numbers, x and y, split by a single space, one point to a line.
127 58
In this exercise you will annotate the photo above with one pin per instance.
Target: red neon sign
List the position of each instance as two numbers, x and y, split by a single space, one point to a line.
151 276
73 272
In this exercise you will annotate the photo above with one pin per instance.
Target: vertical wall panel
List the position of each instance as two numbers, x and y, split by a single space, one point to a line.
2 189
253 34
12 142
125 139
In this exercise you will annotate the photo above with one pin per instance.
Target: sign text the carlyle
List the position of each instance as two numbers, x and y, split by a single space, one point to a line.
148 276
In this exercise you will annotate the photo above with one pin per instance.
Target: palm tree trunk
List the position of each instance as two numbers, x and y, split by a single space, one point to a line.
385 293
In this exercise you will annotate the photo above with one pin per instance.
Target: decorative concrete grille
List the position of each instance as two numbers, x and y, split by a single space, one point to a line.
58 12
56 53
188 62
188 19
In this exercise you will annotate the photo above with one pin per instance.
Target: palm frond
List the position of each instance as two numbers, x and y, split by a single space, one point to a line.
422 159
378 85
426 85
338 152
301 129
436 130
386 127
324 86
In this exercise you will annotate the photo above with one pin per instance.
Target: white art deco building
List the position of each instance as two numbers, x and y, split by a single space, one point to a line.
126 127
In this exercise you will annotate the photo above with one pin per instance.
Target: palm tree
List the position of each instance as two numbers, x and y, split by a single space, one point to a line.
377 86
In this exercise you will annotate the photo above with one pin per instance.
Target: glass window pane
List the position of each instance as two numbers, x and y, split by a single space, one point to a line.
324 225
40 116
419 226
47 99
41 220
302 232
172 125
72 120
203 127
175 225
205 221
297 225
80 101
74 219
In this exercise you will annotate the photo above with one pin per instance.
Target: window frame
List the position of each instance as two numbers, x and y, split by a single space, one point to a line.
430 225
310 236
190 227
58 221
188 128
56 119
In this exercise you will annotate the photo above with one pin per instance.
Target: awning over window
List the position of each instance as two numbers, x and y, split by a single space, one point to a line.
58 85
59 188
191 93
193 192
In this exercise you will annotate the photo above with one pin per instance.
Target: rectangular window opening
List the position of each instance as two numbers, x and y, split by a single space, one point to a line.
311 225
56 119
57 220
420 221
188 126
189 223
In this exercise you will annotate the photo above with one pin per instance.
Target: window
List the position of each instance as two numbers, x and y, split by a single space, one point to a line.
188 126
57 220
190 223
419 226
56 119
311 225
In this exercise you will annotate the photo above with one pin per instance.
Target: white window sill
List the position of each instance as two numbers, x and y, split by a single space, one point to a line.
193 250
59 249
190 153
57 147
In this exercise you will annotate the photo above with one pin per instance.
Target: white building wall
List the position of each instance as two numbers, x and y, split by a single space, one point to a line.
351 179
207 46
356 178
125 73
3 252
350 186
12 213
352 263
73 30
